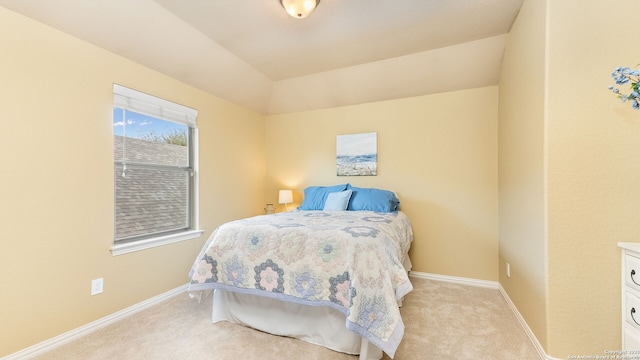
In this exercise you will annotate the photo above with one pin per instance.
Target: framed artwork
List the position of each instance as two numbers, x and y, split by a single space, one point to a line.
357 154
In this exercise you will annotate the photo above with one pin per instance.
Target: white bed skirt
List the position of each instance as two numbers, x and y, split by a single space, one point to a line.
317 325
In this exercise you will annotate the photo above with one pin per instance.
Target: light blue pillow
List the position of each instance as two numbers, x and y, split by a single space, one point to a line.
337 200
373 200
316 196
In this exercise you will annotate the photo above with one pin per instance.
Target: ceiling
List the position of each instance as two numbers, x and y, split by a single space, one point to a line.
252 53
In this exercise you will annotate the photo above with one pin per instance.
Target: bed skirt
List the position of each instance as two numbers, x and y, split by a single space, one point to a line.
319 325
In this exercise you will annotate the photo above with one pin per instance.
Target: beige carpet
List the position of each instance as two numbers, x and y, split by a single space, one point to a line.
442 320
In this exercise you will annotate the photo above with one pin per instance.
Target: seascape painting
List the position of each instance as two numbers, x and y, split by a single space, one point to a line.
357 154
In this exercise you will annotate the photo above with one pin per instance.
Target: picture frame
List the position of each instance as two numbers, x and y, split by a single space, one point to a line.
357 154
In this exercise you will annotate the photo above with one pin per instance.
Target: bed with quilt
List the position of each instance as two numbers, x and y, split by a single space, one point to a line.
331 272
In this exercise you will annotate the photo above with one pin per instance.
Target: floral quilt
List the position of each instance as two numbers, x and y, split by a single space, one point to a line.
349 260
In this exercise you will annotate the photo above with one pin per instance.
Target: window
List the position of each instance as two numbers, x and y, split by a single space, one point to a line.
155 177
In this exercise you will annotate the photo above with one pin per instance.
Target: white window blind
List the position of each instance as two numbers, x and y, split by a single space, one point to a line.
146 104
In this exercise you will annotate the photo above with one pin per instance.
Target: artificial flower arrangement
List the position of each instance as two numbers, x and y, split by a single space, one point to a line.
625 75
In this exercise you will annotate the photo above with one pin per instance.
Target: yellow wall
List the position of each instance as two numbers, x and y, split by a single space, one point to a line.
582 176
593 167
56 190
438 152
521 167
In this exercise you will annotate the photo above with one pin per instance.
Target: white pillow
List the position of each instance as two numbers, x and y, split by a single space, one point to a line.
338 200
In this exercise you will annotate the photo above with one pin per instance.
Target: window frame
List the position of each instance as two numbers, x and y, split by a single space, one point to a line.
146 104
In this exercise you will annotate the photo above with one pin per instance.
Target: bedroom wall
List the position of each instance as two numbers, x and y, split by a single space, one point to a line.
593 147
56 224
438 152
591 171
522 167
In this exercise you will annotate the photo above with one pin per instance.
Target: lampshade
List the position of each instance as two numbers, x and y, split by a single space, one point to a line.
285 197
299 9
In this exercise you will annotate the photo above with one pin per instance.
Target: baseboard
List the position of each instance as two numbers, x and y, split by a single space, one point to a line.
491 285
456 280
525 326
77 333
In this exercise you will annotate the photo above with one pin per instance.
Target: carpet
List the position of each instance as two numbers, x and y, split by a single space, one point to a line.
442 321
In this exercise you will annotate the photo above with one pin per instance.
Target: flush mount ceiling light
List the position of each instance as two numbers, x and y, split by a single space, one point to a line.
299 9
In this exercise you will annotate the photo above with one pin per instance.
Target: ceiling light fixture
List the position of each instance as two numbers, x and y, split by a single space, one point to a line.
299 9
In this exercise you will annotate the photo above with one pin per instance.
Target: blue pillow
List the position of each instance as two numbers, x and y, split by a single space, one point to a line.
373 200
316 196
338 200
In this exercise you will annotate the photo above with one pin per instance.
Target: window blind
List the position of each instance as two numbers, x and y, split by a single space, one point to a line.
142 103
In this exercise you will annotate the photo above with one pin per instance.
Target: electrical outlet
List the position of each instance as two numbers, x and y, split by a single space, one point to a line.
508 270
96 286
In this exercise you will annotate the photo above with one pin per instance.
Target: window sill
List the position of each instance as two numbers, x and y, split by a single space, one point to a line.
126 248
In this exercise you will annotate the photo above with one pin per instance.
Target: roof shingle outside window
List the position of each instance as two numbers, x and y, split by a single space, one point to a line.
150 200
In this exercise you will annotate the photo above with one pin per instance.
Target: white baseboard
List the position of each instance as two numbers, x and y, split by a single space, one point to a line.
456 280
525 326
77 333
491 285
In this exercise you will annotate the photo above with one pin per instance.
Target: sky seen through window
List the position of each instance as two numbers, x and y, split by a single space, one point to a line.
141 126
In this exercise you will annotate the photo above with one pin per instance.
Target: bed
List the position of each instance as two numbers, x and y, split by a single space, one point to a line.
321 274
